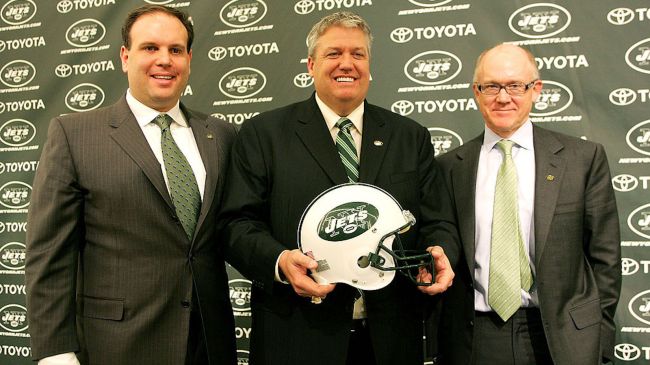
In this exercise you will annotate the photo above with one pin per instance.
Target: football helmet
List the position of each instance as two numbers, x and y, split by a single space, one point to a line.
352 230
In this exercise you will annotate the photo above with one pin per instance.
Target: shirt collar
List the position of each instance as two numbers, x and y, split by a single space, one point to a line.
356 116
523 137
144 114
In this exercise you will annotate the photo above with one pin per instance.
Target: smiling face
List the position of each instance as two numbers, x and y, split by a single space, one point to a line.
340 67
504 113
158 62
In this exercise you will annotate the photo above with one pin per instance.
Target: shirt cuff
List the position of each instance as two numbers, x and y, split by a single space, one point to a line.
68 358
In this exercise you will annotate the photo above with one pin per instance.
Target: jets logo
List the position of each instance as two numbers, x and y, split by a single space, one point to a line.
347 221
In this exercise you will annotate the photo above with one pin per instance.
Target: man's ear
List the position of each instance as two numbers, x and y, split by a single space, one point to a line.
124 57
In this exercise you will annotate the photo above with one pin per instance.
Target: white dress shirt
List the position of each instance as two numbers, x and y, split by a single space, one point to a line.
523 154
182 134
356 117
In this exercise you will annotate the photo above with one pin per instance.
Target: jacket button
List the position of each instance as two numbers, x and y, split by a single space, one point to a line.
185 303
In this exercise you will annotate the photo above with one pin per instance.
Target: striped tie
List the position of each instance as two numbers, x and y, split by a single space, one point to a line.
509 268
180 177
347 150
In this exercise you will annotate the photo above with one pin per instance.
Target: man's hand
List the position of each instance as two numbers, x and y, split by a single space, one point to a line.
444 273
294 265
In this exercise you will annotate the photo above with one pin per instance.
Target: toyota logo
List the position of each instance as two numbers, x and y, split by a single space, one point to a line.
303 7
402 107
217 53
3 45
303 80
629 266
622 96
63 70
620 16
626 351
64 6
624 182
401 35
219 116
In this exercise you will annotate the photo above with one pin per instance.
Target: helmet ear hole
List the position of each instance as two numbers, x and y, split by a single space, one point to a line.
363 262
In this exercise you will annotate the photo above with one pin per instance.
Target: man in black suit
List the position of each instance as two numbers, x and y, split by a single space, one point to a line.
282 160
567 277
117 271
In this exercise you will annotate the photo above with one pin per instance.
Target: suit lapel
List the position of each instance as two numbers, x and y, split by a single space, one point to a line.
549 171
128 135
204 137
463 177
312 131
374 142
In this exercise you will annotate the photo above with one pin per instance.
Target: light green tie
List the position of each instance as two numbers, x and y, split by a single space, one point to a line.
347 149
509 268
183 188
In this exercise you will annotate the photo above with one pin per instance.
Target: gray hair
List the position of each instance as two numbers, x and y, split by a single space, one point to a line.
529 55
344 19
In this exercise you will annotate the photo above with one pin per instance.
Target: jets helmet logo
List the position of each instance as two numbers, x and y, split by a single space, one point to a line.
347 221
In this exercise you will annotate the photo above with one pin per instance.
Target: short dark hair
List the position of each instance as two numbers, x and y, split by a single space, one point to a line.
148 9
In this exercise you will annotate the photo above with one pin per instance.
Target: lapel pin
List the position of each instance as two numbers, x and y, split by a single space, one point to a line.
378 143
550 177
210 136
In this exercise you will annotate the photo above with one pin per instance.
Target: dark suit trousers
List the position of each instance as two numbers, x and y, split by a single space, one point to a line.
518 341
360 350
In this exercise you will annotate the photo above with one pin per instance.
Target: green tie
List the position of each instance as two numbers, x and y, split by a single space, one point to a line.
180 177
347 150
509 267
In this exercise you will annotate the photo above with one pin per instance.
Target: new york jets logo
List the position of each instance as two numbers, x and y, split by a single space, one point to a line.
347 221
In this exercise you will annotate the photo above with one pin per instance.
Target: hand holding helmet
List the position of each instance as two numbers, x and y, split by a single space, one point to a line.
294 265
444 273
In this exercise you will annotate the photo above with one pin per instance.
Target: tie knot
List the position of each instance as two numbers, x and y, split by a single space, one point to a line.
505 145
344 123
163 121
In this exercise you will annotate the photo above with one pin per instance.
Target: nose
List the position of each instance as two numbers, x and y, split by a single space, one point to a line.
163 58
503 96
347 62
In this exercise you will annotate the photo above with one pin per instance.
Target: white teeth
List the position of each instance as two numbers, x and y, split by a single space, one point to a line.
163 77
344 79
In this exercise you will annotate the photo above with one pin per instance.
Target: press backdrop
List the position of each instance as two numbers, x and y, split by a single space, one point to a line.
59 57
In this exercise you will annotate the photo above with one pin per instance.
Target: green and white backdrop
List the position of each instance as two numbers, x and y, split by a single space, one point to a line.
61 56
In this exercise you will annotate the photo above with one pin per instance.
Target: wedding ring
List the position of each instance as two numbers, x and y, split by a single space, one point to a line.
316 300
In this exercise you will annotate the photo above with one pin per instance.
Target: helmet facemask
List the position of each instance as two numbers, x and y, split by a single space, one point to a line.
407 262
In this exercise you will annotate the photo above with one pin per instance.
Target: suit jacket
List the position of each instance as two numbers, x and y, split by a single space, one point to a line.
283 159
105 246
577 249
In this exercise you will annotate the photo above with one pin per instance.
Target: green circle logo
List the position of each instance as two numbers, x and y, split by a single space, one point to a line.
347 221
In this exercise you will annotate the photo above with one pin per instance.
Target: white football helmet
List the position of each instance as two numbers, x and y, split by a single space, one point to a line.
350 230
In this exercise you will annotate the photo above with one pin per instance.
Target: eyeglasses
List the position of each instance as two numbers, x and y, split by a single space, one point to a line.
515 88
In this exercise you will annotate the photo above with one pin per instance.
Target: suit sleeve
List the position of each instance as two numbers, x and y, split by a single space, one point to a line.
438 225
250 247
54 238
602 244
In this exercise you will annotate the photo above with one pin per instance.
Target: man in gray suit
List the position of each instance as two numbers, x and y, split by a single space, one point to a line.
123 266
566 245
